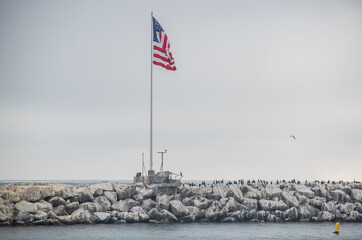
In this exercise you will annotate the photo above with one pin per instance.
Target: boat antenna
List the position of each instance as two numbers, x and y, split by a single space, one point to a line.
144 172
161 168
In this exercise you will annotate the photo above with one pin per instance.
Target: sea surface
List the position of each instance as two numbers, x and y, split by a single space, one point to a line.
209 231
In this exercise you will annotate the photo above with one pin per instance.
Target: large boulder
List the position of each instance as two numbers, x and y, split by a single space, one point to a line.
146 192
132 217
329 207
292 214
250 203
83 194
148 204
289 199
26 207
252 193
238 194
201 203
40 216
106 186
280 214
123 192
220 190
167 216
67 219
143 217
163 201
317 202
325 216
3 217
195 211
347 189
178 209
306 211
63 191
269 205
302 199
355 216
56 201
111 196
103 201
83 216
35 193
91 207
25 217
60 210
238 215
320 190
137 197
304 190
339 196
271 192
347 208
154 214
102 217
121 206
44 206
356 194
232 205
11 196
71 207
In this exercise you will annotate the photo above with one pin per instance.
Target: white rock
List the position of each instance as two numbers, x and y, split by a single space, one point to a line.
326 216
107 186
132 217
82 216
44 206
121 206
302 189
35 193
356 194
289 199
102 217
40 215
111 196
339 196
91 207
71 207
163 201
201 203
148 204
103 201
292 213
26 207
329 207
178 209
56 201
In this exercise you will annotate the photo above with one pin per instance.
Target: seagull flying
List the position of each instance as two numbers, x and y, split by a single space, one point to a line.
292 136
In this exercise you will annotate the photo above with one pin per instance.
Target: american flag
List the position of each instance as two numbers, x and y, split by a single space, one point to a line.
162 55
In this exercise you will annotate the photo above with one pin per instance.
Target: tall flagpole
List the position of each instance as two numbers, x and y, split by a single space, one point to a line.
151 148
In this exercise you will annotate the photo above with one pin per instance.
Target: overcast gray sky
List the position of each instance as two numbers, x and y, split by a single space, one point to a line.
75 83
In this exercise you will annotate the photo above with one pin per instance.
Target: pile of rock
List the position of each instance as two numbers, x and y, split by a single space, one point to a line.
43 204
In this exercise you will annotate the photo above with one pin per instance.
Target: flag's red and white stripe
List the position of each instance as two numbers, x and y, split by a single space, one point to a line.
162 55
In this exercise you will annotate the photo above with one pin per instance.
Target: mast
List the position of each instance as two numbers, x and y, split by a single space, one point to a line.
151 147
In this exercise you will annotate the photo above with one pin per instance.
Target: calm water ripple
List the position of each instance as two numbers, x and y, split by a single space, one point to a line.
210 231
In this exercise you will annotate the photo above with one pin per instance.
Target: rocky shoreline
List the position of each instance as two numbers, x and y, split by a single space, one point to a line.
53 204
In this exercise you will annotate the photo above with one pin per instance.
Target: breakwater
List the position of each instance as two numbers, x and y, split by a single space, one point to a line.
52 204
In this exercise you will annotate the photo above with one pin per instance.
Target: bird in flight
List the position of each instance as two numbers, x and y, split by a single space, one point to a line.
292 136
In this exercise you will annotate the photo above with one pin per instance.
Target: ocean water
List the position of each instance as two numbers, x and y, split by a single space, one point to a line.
209 231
